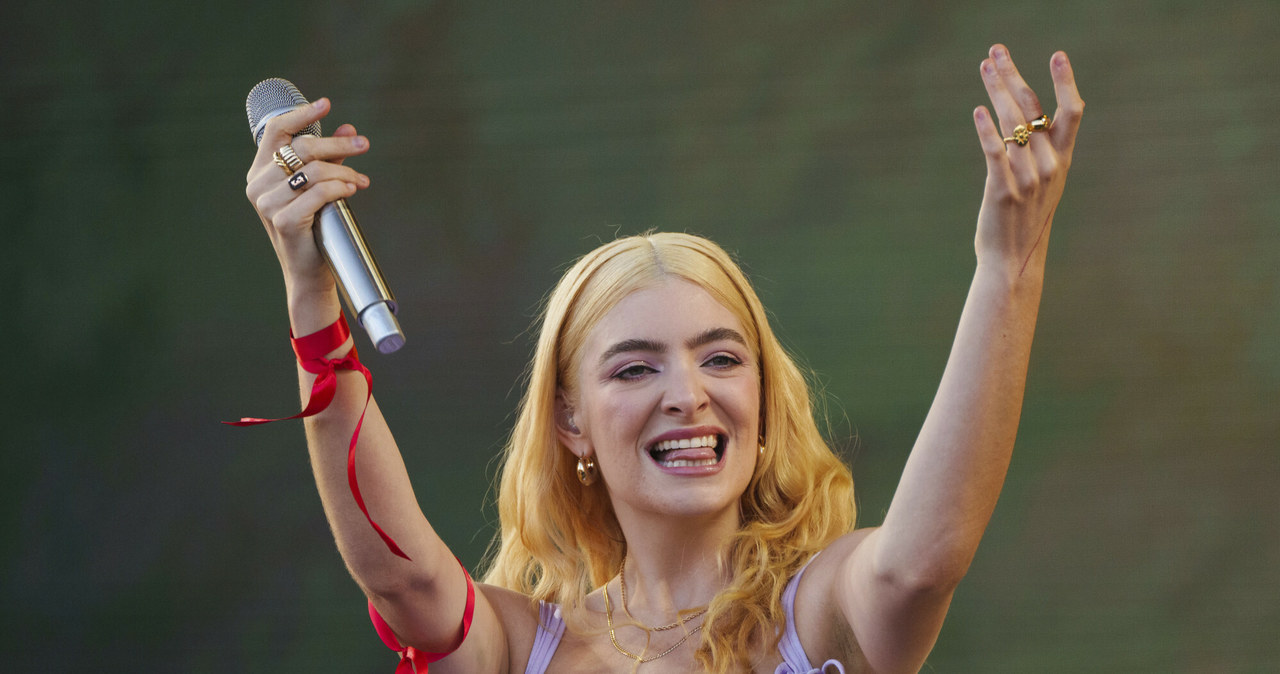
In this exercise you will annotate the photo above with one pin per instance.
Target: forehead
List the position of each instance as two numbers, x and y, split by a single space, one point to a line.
670 312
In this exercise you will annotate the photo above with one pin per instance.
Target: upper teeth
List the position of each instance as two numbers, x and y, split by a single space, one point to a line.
685 443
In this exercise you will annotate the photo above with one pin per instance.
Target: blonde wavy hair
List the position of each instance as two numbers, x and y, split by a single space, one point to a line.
559 540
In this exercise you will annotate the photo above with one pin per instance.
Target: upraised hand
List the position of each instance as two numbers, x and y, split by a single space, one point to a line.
1024 179
287 209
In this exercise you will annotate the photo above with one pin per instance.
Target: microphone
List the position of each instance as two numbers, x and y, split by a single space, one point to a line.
337 233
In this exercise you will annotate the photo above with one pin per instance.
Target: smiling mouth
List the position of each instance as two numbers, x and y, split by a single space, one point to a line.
705 450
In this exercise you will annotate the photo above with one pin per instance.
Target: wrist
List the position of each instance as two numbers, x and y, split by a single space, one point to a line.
1014 281
312 308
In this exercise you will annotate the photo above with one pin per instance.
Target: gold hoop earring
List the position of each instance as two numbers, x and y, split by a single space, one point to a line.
587 470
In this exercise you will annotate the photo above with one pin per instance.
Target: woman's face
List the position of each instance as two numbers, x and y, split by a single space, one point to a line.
669 404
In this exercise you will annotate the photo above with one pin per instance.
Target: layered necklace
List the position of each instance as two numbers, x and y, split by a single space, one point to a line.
608 614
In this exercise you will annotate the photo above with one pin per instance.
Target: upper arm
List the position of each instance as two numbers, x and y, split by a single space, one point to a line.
893 620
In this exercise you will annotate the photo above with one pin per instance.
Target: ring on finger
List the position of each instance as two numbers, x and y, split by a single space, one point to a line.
1022 132
284 166
290 157
297 181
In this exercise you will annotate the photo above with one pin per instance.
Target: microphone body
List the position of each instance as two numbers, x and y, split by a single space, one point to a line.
338 235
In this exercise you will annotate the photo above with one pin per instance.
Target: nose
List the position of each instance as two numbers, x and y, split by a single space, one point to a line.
685 392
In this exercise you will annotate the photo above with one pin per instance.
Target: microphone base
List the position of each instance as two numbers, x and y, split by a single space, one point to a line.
384 330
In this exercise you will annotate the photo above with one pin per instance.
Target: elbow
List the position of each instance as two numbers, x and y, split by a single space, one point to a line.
393 588
924 575
922 584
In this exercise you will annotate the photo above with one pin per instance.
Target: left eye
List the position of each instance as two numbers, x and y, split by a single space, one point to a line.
723 360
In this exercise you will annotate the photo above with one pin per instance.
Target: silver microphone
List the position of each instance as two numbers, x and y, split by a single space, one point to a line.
337 233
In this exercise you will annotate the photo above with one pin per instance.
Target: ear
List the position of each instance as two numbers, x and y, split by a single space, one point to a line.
566 429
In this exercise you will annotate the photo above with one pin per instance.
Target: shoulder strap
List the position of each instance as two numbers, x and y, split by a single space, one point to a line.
789 646
545 642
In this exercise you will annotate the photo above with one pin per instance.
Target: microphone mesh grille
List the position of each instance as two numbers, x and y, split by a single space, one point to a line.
273 97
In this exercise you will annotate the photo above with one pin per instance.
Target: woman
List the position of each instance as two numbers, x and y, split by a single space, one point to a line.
666 496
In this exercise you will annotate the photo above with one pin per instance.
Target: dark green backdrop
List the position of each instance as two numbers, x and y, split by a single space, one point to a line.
829 144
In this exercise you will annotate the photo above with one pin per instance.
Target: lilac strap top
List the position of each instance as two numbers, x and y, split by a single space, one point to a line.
794 659
550 630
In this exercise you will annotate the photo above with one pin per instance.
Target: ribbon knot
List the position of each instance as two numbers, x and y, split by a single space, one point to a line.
409 661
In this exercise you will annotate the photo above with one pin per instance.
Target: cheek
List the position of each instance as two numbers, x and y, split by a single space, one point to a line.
617 416
751 401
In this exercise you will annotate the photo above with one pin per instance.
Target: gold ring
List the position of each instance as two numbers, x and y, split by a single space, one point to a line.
1022 132
282 164
290 157
1021 135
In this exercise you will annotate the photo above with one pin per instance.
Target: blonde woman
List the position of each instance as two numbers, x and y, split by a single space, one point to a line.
667 503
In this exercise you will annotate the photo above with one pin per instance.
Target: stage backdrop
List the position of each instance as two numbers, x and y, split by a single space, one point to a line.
829 145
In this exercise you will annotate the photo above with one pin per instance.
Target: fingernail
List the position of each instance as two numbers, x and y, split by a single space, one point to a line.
988 67
320 103
1001 54
360 142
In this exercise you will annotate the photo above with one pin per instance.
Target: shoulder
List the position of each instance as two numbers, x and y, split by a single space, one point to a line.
510 614
820 623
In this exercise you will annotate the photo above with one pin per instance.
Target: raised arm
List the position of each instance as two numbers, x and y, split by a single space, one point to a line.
895 583
422 598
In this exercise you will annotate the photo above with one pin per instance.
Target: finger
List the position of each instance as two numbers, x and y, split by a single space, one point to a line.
299 213
334 149
281 128
1025 97
993 147
1066 120
317 171
271 191
344 131
1006 108
1010 116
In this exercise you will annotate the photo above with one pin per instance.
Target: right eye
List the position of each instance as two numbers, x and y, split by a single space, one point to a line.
633 371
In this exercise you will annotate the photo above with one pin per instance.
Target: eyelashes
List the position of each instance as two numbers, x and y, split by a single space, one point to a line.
723 361
632 372
637 370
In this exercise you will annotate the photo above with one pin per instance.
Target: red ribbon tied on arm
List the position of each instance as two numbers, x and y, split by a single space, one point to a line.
311 350
411 659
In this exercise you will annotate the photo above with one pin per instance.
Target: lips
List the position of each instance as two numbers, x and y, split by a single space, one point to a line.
697 451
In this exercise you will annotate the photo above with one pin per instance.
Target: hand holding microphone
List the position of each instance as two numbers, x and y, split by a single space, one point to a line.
298 185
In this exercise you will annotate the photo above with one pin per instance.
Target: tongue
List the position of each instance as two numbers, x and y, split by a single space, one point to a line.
690 454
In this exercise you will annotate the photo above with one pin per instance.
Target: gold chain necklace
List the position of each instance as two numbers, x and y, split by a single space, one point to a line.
608 615
681 620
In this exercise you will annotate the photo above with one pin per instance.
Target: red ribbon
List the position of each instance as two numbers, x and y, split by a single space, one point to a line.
311 350
411 659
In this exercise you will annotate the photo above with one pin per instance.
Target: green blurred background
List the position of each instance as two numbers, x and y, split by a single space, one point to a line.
829 144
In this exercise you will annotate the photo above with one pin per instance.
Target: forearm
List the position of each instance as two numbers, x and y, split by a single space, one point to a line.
957 467
397 585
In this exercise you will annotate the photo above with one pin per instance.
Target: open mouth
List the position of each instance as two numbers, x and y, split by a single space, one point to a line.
704 450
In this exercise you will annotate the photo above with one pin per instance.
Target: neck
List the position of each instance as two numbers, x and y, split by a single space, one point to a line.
672 567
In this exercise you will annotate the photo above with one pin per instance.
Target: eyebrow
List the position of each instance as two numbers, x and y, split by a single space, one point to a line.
701 339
